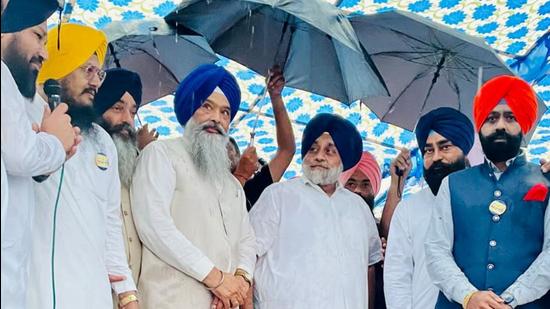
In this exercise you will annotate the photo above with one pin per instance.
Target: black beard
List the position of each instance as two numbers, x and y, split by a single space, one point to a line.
369 200
22 72
439 170
82 116
500 151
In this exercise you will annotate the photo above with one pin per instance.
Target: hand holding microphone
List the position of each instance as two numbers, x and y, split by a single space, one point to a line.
56 121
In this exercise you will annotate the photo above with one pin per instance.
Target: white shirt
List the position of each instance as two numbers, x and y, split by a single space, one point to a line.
446 274
88 237
314 250
407 284
25 154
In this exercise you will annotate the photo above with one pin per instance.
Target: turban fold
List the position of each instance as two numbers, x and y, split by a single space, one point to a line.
117 82
369 167
517 93
345 135
77 44
199 85
21 14
449 123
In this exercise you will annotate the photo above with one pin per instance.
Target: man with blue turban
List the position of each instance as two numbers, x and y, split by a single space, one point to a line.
316 239
445 136
189 210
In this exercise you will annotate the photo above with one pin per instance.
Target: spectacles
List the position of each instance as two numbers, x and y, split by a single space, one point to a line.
92 70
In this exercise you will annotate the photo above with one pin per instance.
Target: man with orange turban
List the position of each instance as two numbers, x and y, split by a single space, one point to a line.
484 215
79 206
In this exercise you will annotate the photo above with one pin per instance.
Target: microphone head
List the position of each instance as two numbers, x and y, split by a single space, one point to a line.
52 87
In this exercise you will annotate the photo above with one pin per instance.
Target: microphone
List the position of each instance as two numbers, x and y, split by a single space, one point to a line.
52 88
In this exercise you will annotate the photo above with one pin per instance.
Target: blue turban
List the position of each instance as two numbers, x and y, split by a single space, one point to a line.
449 123
199 85
117 82
345 135
19 15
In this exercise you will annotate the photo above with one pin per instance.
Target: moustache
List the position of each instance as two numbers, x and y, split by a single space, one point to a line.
119 128
215 126
37 60
91 91
499 135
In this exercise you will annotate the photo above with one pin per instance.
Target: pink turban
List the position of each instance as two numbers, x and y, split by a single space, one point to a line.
369 167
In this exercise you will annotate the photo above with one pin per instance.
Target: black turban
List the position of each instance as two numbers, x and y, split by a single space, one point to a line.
345 135
449 123
117 82
22 14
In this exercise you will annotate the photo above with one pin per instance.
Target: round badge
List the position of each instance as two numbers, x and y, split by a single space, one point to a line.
497 207
101 161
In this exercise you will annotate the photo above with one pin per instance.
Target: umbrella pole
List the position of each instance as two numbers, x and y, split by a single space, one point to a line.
479 77
260 99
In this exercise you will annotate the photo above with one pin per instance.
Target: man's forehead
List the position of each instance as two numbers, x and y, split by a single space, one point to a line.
434 138
502 107
324 138
218 99
358 175
93 60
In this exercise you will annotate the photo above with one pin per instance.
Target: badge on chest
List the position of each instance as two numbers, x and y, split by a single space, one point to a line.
101 161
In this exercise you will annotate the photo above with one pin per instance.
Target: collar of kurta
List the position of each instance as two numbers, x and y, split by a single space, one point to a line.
518 160
306 181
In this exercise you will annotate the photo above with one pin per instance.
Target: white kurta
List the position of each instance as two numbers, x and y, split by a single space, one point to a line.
407 284
313 250
187 226
88 239
25 154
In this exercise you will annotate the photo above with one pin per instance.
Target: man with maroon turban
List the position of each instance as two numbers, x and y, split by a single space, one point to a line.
488 245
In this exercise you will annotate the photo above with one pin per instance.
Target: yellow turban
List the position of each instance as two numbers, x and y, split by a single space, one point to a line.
77 44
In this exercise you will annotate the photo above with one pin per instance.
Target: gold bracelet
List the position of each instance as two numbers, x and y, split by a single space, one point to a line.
127 299
467 299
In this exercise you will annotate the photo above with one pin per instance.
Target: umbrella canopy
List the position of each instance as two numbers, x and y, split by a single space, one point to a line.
161 57
425 65
310 39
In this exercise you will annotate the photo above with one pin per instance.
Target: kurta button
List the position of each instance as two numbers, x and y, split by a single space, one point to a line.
497 193
130 239
493 243
125 213
496 218
490 266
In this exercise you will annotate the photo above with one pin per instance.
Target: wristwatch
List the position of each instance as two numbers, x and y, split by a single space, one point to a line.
508 299
243 273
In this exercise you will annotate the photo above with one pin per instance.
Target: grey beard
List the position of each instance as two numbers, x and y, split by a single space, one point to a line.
127 157
323 177
208 151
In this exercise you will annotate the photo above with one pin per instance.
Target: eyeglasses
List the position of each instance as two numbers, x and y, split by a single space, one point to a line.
92 70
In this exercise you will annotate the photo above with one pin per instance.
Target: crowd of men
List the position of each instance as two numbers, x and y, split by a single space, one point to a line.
99 214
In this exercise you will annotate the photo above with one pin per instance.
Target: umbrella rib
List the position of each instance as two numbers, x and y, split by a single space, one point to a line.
402 92
434 80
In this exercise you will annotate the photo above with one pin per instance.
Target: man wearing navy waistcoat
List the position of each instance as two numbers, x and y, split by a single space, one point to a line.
489 241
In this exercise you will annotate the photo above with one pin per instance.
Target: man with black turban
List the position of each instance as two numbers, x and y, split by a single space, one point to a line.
117 102
189 210
315 238
488 245
445 136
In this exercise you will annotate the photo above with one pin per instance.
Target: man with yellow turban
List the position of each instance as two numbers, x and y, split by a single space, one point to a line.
488 245
79 206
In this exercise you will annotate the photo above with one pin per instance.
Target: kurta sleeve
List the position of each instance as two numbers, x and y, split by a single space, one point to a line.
265 217
535 281
398 263
446 275
152 191
25 152
115 256
247 243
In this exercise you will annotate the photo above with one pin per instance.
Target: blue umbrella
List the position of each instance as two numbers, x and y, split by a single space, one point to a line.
311 40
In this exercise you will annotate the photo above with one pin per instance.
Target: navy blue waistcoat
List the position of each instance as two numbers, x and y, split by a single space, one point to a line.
491 250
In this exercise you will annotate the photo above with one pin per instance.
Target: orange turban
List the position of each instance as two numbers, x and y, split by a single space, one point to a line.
517 93
369 167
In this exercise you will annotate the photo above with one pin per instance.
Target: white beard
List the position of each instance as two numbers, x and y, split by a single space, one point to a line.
323 177
208 151
127 157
